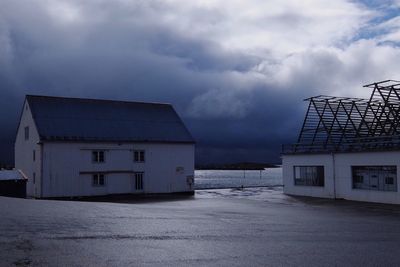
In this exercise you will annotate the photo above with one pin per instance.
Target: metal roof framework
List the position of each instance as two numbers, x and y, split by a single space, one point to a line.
352 124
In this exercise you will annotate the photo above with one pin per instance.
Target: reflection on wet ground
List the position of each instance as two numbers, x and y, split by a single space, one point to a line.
225 227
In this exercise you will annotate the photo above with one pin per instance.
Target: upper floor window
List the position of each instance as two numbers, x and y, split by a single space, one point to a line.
34 155
26 132
180 170
98 156
98 179
382 178
309 175
138 155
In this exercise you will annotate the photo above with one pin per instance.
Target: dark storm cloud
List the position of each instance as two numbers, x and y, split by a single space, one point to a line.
236 74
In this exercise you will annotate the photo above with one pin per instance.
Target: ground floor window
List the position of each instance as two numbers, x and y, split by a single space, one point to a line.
98 179
139 180
382 178
309 175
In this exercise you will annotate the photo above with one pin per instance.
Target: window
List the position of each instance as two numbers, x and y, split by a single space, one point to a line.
98 156
190 180
98 179
309 175
358 179
389 180
27 133
381 178
34 155
180 170
34 177
138 155
139 180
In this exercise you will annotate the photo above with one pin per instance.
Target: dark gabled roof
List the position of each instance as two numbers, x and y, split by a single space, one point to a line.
77 119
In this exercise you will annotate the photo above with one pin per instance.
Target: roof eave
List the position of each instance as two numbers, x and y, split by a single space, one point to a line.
46 140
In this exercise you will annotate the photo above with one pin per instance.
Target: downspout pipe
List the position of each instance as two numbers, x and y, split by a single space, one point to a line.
334 175
41 168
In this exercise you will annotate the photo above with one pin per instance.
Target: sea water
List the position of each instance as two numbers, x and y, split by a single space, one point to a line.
210 179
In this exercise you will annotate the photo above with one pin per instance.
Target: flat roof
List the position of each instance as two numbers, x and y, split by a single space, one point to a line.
12 175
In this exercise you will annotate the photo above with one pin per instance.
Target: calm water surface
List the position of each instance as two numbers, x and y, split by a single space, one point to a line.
207 179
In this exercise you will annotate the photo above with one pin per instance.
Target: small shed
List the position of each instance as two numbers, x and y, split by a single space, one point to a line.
13 183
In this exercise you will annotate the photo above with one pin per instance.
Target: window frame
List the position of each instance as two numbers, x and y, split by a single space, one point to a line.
381 175
139 155
98 156
139 181
97 178
318 181
26 132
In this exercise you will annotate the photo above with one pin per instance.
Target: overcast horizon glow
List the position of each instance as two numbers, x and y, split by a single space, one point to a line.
236 73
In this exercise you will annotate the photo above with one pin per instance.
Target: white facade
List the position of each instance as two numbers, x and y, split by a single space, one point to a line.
338 175
24 150
66 169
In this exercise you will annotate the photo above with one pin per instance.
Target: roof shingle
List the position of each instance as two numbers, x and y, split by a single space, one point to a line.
77 119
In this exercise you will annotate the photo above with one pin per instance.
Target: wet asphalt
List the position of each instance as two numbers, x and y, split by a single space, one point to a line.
254 227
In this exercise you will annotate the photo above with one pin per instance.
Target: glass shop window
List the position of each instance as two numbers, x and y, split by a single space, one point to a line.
381 178
309 175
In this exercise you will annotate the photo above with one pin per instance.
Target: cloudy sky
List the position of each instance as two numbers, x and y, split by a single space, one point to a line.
236 71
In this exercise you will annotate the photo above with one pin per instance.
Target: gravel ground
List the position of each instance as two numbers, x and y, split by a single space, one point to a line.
230 227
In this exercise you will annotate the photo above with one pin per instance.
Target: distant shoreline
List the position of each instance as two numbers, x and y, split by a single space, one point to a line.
237 166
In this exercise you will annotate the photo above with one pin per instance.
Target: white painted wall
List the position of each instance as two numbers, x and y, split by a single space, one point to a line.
339 166
63 162
24 152
344 182
288 163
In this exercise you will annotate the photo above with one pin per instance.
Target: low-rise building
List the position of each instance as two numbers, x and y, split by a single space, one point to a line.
13 183
348 148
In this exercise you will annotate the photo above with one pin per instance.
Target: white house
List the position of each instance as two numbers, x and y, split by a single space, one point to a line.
71 147
348 148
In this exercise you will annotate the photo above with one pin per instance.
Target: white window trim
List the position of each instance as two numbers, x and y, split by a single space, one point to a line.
97 176
297 175
140 159
26 132
393 186
98 156
136 176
